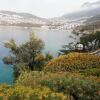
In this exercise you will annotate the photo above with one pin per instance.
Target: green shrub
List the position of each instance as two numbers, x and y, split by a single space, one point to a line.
78 88
73 85
91 72
33 78
73 62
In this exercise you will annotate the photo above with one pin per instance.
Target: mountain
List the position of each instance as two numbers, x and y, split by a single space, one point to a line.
20 19
92 24
24 15
93 19
87 10
82 13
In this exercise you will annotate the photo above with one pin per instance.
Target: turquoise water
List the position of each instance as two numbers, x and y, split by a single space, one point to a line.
6 73
53 42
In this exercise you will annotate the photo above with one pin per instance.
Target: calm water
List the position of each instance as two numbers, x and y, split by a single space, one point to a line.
53 42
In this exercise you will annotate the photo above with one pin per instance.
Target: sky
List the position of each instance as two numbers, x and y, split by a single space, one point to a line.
43 8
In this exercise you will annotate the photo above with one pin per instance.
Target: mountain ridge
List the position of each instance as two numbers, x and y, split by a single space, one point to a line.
20 19
24 14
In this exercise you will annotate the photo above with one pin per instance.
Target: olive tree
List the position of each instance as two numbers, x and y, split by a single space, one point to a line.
27 56
91 41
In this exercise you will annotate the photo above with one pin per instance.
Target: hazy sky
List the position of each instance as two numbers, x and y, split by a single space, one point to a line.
43 8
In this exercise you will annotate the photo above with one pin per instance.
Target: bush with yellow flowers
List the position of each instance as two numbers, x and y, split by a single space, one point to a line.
73 62
26 93
77 77
29 79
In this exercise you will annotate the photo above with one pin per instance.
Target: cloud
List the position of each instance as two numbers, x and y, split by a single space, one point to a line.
91 4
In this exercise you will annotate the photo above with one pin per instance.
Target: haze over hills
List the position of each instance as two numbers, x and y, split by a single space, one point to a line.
86 10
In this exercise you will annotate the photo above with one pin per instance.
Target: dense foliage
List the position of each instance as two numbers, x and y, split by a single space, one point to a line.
73 62
75 76
32 79
91 72
78 88
73 85
26 93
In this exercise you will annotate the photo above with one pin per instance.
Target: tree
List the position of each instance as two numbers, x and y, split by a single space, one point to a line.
25 56
91 41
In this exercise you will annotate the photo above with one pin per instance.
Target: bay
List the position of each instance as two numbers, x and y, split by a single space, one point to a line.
53 39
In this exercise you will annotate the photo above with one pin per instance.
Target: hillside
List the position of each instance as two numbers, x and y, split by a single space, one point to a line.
20 19
92 23
94 19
